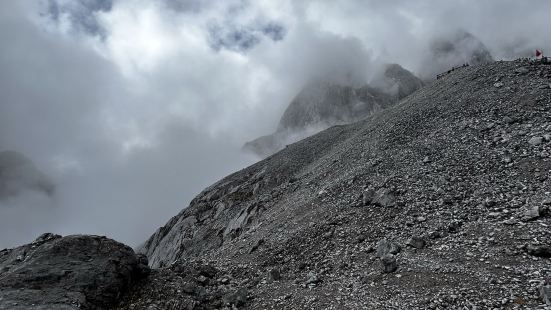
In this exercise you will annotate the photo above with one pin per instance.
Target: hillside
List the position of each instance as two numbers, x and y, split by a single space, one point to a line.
439 201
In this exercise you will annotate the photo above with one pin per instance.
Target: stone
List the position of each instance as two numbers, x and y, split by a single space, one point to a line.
522 70
384 198
531 214
237 298
416 242
385 247
368 196
545 293
312 278
389 263
274 275
535 141
539 250
498 85
59 272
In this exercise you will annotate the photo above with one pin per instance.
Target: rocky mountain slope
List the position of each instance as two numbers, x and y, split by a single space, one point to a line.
18 173
323 104
440 201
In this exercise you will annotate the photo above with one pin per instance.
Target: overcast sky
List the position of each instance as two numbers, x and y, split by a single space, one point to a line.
132 106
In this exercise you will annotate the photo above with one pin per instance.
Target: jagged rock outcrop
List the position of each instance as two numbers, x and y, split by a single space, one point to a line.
447 176
18 173
72 272
323 104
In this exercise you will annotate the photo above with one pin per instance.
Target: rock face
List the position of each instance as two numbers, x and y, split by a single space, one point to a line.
73 272
456 168
18 173
321 105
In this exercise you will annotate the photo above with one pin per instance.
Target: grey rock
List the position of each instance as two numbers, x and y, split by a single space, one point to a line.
532 213
384 198
312 278
385 247
545 293
522 70
274 275
389 263
368 196
535 141
498 84
416 242
237 298
63 272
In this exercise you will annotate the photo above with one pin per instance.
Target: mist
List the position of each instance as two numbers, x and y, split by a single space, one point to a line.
132 107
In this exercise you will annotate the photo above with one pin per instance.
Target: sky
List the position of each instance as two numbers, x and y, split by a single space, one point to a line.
132 107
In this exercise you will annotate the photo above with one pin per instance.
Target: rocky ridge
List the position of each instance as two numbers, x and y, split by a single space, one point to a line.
441 201
323 104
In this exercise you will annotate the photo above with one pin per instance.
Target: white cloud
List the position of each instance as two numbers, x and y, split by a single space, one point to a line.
132 111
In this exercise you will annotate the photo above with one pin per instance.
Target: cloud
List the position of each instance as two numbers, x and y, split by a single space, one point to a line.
133 106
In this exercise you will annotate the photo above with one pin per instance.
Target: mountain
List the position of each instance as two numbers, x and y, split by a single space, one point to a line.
442 201
323 104
455 49
18 173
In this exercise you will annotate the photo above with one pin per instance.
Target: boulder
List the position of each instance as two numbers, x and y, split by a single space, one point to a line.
72 272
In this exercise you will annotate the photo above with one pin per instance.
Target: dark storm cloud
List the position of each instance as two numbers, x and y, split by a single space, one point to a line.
241 39
82 15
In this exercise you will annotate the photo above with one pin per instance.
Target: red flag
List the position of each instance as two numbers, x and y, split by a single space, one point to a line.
538 53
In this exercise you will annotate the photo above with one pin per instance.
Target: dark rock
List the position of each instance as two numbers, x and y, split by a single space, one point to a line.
274 275
62 272
256 245
389 263
539 250
237 298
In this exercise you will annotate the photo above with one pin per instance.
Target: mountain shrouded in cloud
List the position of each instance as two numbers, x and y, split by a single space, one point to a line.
18 173
131 107
323 104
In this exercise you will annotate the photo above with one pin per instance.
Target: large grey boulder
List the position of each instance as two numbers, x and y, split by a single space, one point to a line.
18 173
72 272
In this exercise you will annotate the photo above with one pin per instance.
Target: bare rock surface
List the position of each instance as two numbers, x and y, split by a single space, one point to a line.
464 181
72 272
